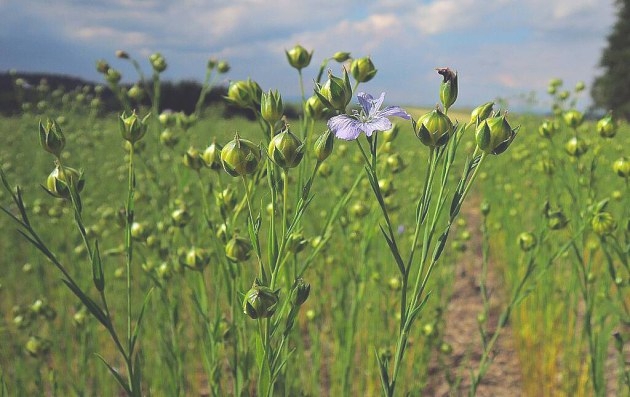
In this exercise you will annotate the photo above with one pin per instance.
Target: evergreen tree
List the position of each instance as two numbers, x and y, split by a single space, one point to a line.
611 90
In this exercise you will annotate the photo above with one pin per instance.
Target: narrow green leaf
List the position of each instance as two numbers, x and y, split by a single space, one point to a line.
119 378
93 308
97 269
136 330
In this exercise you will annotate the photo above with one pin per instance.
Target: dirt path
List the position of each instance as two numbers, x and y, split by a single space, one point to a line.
503 377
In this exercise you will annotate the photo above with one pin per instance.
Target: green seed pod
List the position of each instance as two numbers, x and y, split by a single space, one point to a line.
603 223
395 163
359 210
223 67
131 127
579 86
192 159
448 87
386 186
341 56
271 107
527 241
298 57
286 149
59 180
300 292
485 208
362 69
227 199
136 93
181 217
573 118
240 157
314 107
238 249
434 128
557 220
101 66
260 301
158 62
245 94
212 156
607 126
564 95
391 134
120 54
394 283
139 231
324 170
480 113
113 76
296 243
324 146
576 147
195 259
51 137
37 347
494 135
622 167
336 93
168 138
548 128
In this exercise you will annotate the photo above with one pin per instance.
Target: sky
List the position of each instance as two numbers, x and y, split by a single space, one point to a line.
499 48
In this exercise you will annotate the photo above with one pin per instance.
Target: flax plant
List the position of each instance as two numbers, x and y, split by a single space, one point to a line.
442 137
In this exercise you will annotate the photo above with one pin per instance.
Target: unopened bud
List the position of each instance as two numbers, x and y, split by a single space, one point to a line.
51 137
448 87
336 92
494 135
482 112
158 62
271 107
362 69
298 57
324 146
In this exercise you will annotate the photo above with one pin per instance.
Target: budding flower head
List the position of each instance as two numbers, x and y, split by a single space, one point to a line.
556 219
391 134
336 92
223 67
60 179
271 107
573 118
195 258
244 93
607 126
260 301
192 159
300 293
526 241
298 57
362 69
238 249
548 128
341 56
112 76
102 66
314 107
131 127
324 146
603 223
212 156
158 62
576 147
286 149
240 157
622 167
482 112
494 135
122 54
448 87
433 128
51 137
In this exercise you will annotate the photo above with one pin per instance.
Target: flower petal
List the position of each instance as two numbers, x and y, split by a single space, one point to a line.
345 127
376 105
366 101
377 124
397 111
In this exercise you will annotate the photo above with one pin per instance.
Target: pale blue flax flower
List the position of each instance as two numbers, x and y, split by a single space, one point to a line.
371 118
